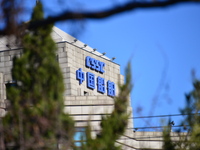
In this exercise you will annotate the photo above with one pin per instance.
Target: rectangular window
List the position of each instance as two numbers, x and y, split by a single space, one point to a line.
79 136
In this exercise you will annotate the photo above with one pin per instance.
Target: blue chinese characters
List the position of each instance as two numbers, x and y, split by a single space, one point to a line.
80 75
92 81
101 85
111 88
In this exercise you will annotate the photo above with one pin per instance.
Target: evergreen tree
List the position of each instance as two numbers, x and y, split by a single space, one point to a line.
114 125
193 119
36 119
168 144
190 140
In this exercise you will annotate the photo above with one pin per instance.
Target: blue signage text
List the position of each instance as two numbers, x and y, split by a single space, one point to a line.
100 82
94 64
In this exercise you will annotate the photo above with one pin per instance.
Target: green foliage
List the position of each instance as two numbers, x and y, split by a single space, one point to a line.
195 124
35 119
189 140
114 125
168 144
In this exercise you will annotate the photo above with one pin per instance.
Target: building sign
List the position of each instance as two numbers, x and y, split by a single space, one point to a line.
92 81
94 64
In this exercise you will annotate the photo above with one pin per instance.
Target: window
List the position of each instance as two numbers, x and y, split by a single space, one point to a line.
79 136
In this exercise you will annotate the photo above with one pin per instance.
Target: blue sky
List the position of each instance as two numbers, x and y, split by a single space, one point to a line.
163 45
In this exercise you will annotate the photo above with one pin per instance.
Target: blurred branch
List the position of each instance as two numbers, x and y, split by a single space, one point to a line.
10 11
70 15
106 13
162 81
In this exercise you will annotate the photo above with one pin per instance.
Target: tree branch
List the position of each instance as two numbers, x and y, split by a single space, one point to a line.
70 15
106 13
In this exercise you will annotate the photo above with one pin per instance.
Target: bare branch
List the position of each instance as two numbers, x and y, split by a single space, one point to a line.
70 15
106 13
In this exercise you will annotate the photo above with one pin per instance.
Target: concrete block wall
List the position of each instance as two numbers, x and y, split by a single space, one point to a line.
82 107
141 140
2 96
6 62
153 140
2 87
90 109
75 60
85 109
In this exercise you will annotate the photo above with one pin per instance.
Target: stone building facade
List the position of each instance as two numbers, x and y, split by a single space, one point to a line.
85 71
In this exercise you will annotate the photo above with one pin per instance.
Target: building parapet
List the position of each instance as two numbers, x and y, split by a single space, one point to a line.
88 100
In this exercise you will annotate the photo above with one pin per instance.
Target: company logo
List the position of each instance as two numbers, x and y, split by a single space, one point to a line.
94 64
92 81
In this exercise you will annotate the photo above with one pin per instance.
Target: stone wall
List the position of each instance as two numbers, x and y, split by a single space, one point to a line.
71 58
